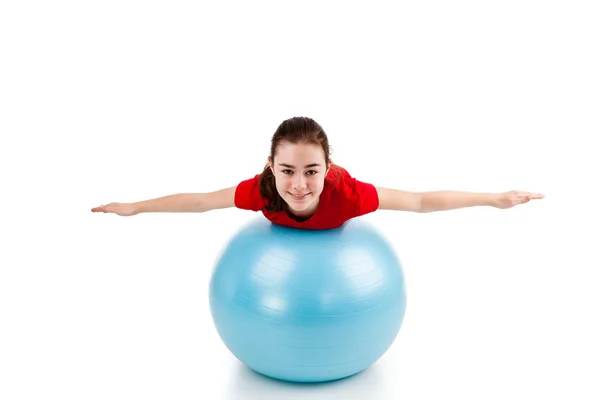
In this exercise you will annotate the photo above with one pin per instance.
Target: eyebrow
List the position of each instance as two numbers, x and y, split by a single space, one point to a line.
306 166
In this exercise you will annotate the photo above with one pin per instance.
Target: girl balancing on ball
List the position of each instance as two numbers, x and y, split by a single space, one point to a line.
301 187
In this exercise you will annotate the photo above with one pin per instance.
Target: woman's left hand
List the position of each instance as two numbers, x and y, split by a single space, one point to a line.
514 198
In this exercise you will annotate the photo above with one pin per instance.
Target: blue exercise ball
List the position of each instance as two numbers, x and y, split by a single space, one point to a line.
307 305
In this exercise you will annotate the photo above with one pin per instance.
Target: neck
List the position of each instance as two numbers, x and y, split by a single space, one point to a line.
302 216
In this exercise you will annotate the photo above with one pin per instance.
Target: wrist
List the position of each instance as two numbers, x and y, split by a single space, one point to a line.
492 200
137 208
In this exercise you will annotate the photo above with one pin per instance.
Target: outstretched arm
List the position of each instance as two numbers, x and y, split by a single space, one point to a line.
182 202
393 199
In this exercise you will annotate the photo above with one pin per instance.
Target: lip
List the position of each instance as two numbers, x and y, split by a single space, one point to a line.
301 197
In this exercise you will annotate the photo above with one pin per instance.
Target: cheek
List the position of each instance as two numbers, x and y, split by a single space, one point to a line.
316 184
282 182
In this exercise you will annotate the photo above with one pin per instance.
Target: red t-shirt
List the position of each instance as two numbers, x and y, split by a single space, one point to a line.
343 198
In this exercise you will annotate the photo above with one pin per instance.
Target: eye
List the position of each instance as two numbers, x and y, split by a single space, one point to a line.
311 172
287 171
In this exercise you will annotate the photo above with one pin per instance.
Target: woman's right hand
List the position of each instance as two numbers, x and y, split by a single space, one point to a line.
122 209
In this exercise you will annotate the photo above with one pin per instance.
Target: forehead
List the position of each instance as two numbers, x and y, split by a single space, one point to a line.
299 153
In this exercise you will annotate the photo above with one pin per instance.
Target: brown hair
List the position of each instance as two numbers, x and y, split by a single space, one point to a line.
295 130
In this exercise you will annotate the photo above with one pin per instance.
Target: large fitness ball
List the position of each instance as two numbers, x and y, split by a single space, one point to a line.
307 305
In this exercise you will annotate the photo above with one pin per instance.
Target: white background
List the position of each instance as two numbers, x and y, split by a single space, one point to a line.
130 100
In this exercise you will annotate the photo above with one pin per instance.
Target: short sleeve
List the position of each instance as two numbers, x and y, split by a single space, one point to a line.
247 195
367 199
362 197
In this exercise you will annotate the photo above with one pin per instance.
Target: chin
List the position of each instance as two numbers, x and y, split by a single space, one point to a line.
299 209
299 206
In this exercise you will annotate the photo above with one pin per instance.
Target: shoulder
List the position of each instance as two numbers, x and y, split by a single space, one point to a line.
337 176
357 197
247 194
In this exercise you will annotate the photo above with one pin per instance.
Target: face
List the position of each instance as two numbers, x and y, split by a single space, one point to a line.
299 171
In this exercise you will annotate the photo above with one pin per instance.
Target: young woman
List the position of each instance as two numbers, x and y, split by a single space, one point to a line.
301 187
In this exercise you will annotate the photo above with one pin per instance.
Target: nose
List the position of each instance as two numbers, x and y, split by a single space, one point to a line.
299 182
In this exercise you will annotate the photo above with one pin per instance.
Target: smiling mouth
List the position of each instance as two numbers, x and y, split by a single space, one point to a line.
299 197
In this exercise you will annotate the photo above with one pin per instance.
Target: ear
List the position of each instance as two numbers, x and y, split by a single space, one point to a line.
270 161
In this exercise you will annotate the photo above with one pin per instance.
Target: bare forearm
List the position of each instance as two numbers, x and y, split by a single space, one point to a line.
182 202
450 200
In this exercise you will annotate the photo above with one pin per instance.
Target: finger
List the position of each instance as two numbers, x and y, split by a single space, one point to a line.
531 195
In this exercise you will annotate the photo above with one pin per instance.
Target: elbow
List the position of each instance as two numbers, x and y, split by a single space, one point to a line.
420 204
